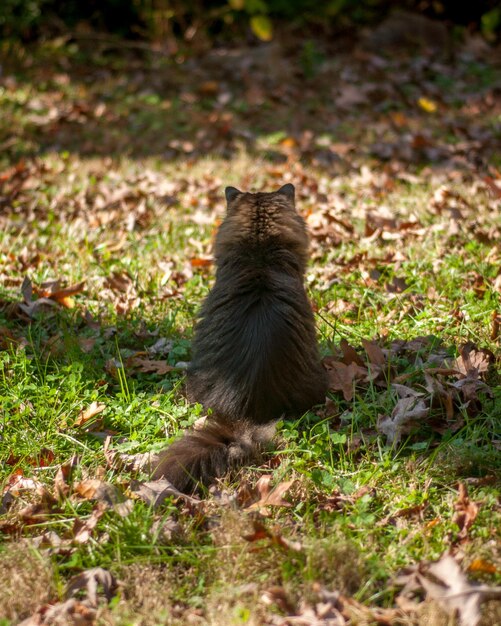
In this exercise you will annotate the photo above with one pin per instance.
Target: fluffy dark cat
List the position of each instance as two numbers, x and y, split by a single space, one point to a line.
255 356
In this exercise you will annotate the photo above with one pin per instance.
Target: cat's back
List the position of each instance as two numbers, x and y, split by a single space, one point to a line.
254 352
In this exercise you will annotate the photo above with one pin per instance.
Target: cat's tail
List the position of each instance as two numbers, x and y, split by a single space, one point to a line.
202 455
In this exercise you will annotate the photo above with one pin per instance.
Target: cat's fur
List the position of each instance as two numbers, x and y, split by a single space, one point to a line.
255 355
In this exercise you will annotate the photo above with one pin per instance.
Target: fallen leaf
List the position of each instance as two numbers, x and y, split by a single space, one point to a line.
62 478
407 412
350 355
91 411
427 105
70 612
262 495
147 365
342 377
30 307
156 491
89 582
201 262
275 538
374 353
83 528
472 360
480 565
466 513
105 493
445 583
86 344
496 325
60 295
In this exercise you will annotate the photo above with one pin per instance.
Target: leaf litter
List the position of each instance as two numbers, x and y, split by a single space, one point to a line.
436 390
433 389
444 582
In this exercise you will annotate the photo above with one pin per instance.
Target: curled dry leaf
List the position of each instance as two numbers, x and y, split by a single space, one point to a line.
350 355
63 476
29 306
89 582
105 493
407 412
91 411
82 529
472 361
263 495
156 491
411 512
70 612
63 296
342 377
275 538
480 565
141 462
374 353
466 512
149 365
445 583
48 294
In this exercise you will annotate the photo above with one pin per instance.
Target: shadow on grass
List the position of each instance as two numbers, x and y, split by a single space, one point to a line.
349 105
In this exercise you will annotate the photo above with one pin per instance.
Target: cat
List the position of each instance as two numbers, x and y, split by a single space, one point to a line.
255 357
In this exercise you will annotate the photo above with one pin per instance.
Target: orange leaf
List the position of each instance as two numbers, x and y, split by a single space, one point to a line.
479 565
86 414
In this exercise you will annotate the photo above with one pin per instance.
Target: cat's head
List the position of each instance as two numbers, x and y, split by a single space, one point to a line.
262 220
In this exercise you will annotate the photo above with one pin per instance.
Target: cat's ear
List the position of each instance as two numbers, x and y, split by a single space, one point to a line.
288 191
231 193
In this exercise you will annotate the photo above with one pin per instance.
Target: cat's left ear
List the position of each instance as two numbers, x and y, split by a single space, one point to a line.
231 193
288 191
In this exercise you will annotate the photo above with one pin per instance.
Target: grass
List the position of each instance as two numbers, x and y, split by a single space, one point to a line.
138 230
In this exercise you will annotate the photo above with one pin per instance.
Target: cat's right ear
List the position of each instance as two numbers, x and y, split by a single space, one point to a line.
231 193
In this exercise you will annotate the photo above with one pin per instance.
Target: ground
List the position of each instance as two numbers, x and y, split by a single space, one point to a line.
113 166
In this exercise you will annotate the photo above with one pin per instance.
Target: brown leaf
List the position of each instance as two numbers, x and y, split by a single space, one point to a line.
71 612
445 583
30 307
86 344
105 493
440 395
82 529
416 511
494 186
407 412
263 496
61 481
275 538
350 355
466 513
149 365
89 581
374 353
155 492
62 296
496 325
91 411
342 377
472 360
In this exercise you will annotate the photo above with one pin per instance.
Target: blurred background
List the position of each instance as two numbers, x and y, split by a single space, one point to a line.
175 25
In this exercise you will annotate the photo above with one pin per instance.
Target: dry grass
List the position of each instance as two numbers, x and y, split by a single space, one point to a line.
26 581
